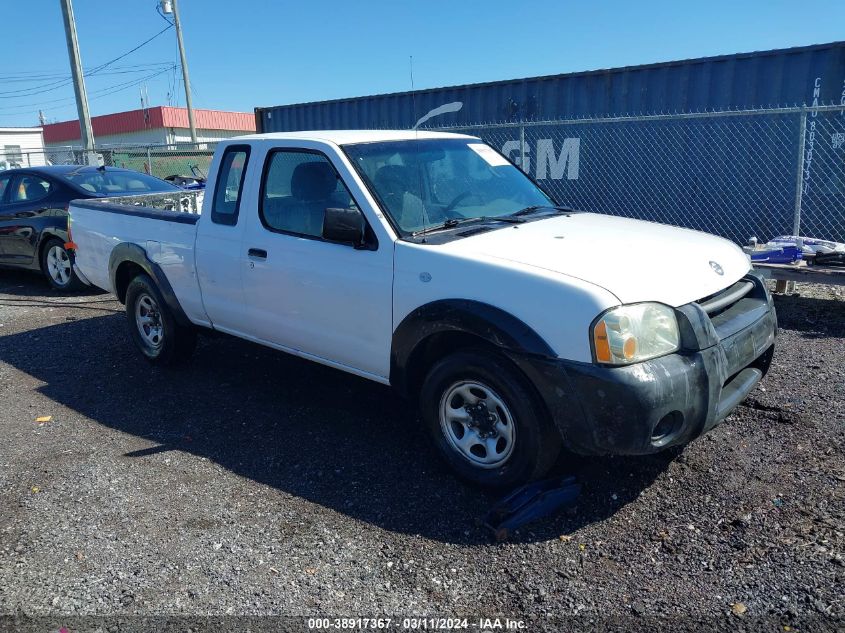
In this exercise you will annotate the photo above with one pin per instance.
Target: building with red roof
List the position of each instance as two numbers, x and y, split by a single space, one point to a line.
161 125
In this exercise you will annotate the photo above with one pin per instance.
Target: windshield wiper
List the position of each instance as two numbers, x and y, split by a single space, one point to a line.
451 223
542 207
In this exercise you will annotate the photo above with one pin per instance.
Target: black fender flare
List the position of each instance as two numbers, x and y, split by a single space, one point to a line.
128 252
489 323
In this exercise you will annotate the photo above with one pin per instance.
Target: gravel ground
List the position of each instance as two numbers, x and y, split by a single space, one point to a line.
255 483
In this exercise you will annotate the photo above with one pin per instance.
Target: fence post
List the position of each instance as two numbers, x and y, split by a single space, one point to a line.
799 179
522 148
149 162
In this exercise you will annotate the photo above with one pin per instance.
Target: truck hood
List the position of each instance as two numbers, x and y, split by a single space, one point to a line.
633 259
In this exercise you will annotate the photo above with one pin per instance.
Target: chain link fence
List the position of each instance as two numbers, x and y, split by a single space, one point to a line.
183 159
758 173
740 174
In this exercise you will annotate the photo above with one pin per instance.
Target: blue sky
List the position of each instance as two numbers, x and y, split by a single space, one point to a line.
247 53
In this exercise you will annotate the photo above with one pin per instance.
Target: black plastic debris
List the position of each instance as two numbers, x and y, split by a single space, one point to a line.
830 259
529 503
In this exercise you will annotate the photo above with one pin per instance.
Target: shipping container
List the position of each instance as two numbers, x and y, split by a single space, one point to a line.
737 145
764 79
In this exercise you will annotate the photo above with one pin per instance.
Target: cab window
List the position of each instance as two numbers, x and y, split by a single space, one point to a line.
297 188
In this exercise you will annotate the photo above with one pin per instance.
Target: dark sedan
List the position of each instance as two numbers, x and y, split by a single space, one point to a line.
33 212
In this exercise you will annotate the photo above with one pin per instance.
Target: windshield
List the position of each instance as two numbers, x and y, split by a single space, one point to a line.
117 182
430 182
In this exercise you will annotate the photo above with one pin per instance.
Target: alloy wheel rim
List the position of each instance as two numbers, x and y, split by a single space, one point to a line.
58 265
477 424
148 321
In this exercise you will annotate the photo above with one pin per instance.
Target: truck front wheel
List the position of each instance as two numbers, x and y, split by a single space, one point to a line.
485 420
152 327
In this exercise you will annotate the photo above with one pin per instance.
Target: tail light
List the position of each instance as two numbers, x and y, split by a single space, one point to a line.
70 245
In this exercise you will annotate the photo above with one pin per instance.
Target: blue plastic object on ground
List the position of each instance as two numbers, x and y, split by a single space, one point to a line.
529 503
781 255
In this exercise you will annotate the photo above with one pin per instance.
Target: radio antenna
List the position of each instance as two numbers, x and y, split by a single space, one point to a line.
413 93
426 221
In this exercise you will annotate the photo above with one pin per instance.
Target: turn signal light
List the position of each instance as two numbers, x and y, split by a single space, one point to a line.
601 343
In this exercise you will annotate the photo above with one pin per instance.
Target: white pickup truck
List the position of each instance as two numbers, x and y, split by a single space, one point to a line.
428 262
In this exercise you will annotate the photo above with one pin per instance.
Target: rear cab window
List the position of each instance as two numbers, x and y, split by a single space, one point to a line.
229 185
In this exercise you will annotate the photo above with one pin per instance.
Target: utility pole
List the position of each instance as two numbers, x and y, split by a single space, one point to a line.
185 79
78 82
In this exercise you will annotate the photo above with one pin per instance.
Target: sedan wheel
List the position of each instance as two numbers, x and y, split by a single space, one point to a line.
58 266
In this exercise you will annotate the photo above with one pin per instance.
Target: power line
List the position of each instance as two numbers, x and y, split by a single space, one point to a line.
29 77
129 52
99 93
55 85
129 84
56 82
55 74
28 92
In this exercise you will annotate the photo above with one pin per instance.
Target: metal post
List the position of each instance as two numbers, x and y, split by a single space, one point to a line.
149 162
185 79
799 180
522 148
78 82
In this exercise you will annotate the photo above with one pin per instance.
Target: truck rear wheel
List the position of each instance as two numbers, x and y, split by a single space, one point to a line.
486 421
152 327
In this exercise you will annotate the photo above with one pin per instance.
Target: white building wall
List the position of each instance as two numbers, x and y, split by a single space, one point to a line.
21 147
158 136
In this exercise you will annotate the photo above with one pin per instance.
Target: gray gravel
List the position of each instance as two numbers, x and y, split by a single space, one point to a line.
251 482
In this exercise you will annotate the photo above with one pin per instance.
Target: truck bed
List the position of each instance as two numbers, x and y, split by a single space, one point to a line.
166 235
185 201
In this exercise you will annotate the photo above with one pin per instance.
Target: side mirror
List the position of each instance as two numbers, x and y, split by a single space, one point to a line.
344 225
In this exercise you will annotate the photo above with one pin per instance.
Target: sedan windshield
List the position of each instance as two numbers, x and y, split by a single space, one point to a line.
432 183
118 182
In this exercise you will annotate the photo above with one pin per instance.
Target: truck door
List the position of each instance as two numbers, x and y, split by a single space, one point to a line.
305 294
218 243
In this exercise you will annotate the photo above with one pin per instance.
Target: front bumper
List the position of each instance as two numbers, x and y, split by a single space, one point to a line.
666 401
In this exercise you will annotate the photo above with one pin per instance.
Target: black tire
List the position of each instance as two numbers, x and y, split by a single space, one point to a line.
535 444
64 279
162 341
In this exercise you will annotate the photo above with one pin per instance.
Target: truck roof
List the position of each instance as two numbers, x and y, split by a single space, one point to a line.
344 137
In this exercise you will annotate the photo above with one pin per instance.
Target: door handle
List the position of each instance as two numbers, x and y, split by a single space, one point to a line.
258 253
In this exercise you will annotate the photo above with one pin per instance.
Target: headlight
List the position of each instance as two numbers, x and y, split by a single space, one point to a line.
633 333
